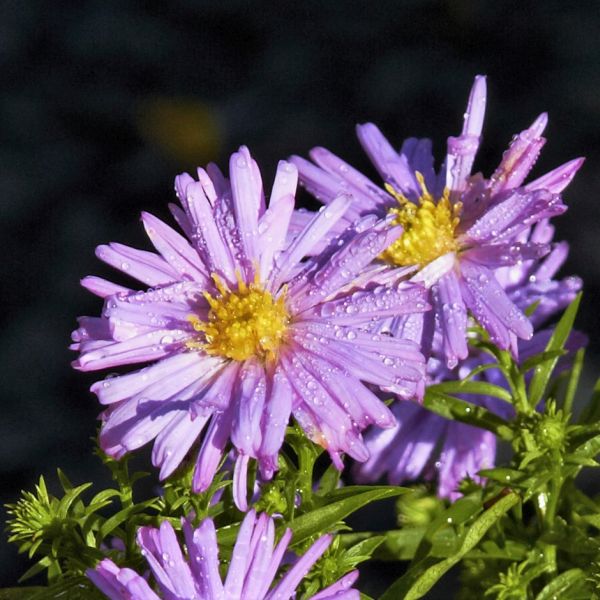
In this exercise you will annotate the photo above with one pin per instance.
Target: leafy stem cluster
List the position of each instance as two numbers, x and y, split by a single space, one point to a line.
526 531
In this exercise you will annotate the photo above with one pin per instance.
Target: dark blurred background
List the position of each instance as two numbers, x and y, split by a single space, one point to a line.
102 102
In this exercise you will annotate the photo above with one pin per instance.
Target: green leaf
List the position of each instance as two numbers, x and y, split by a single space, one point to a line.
561 584
423 575
542 373
589 449
480 388
44 563
123 515
459 512
326 517
573 382
68 499
452 408
540 359
592 520
363 550
329 480
401 544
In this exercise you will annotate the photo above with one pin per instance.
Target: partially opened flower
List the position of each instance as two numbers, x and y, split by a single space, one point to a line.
252 572
458 228
425 445
242 332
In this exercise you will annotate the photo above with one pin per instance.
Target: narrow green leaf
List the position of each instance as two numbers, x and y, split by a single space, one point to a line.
365 548
325 517
64 480
453 408
68 499
329 480
542 373
123 515
589 449
561 584
480 388
459 512
424 574
573 382
592 520
44 563
540 359
349 491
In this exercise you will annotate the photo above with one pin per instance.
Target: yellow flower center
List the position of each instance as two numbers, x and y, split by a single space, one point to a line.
242 323
429 227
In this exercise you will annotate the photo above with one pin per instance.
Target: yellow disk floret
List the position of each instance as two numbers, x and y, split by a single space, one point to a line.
429 227
242 323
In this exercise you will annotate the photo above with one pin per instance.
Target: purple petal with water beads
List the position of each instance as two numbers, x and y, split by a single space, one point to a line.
316 398
261 551
175 249
285 588
243 188
320 183
520 157
506 253
318 227
272 229
379 369
118 583
211 451
365 305
431 273
462 149
116 389
203 551
452 314
240 479
205 233
139 264
174 441
340 590
163 554
101 287
369 195
343 266
278 408
558 179
240 558
394 168
251 391
490 304
514 213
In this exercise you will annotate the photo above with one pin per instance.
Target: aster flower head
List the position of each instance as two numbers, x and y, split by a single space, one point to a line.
241 332
423 444
251 575
458 227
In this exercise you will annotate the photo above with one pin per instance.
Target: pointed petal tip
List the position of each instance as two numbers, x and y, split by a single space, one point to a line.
538 126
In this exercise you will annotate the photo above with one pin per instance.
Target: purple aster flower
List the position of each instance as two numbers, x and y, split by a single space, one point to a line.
426 445
250 576
241 332
458 228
